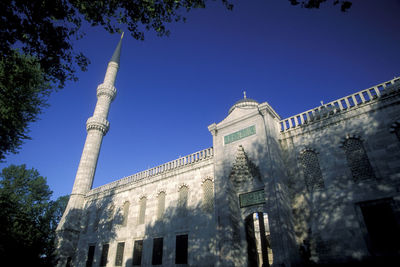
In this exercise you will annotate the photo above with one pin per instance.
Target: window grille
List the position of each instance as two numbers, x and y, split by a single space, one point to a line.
208 196
110 216
120 254
97 220
142 210
125 214
357 159
312 171
161 205
183 199
137 252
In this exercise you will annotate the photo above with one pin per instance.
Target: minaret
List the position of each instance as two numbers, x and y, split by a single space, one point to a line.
97 127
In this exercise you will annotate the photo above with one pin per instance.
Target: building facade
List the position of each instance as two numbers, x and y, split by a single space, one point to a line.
321 187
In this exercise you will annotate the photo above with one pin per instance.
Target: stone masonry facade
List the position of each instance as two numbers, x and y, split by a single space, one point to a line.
321 187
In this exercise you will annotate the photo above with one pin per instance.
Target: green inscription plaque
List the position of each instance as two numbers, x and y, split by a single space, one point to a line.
252 198
239 134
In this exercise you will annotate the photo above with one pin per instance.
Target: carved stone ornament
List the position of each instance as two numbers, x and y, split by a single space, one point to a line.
243 169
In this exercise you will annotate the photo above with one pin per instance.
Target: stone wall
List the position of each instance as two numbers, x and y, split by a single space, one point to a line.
103 222
359 157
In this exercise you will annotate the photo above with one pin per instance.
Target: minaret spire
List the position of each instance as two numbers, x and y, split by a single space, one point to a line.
97 127
115 57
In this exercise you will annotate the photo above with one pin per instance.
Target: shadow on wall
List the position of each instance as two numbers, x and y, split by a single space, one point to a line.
334 223
196 223
86 229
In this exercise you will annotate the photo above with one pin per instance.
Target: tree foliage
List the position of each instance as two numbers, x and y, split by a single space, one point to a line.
44 32
344 5
28 218
23 95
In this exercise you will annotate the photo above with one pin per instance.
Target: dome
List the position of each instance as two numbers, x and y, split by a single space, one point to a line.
244 103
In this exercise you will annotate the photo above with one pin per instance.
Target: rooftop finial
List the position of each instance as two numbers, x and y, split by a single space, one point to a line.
244 94
117 52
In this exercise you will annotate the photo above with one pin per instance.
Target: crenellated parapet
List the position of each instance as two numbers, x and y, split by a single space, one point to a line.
99 124
107 90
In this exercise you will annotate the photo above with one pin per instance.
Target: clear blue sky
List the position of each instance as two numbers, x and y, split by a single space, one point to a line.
170 89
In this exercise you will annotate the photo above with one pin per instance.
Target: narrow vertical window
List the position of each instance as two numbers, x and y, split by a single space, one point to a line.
357 159
120 254
125 213
160 205
181 250
183 199
312 171
86 220
137 252
208 196
96 220
104 255
110 217
157 251
90 256
142 210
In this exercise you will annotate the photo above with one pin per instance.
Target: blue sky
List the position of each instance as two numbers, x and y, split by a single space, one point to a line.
170 89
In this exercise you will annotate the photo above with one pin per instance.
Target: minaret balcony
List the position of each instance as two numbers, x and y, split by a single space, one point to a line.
107 90
96 123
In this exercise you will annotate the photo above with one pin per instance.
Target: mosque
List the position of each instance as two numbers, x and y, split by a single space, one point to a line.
319 188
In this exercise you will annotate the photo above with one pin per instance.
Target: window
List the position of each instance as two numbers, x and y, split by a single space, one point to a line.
110 216
183 199
137 252
208 196
120 254
125 214
383 230
142 210
161 205
68 264
96 220
181 251
86 220
357 159
104 255
157 251
90 256
312 171
397 131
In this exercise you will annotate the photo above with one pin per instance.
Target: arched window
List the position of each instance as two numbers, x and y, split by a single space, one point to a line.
312 171
142 210
85 221
110 216
96 219
357 159
208 196
183 199
160 205
125 213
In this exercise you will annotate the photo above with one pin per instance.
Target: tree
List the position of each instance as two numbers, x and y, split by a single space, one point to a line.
27 218
23 95
44 31
344 5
